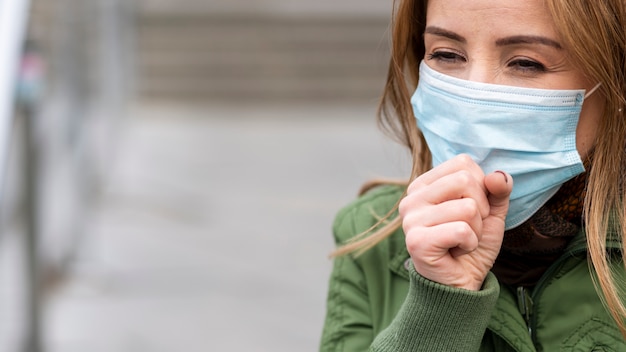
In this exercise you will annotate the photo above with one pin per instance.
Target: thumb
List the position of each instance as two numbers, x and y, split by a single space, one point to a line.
499 184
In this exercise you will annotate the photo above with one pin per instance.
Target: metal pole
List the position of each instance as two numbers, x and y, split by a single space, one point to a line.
32 342
13 20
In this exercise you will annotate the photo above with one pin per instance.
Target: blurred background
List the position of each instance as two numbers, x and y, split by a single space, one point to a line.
170 170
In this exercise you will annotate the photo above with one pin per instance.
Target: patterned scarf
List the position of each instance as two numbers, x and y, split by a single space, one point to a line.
529 249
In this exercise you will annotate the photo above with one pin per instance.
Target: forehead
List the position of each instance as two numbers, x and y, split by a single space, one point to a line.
497 17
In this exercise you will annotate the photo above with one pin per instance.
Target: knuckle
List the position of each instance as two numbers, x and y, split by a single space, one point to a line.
404 206
414 244
465 159
467 163
410 222
411 202
468 208
462 229
464 178
415 185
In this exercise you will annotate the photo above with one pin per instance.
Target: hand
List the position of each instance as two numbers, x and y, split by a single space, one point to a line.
453 217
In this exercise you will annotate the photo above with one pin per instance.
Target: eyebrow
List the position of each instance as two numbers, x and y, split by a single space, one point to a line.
445 33
528 39
513 40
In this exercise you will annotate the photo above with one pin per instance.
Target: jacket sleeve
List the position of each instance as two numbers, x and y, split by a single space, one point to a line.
436 317
433 317
348 325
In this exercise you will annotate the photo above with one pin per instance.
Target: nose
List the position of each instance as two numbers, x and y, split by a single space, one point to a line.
481 71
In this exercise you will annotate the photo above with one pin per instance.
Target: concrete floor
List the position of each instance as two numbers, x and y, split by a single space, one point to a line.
213 230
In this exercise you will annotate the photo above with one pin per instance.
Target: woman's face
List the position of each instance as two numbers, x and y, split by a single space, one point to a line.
507 42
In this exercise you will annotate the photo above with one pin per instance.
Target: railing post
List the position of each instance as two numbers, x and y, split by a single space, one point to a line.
29 83
14 16
13 21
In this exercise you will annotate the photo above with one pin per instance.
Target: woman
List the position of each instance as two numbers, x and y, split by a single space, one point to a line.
509 237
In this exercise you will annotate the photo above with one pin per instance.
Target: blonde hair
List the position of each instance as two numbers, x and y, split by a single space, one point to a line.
594 34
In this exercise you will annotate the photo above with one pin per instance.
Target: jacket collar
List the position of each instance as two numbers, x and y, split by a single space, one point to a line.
399 263
401 260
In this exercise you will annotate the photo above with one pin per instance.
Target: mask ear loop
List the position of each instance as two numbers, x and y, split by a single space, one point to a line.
596 88
593 90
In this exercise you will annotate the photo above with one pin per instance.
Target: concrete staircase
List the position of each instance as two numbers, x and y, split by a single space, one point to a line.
252 56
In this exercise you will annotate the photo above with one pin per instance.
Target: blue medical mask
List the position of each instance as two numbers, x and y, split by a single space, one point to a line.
530 133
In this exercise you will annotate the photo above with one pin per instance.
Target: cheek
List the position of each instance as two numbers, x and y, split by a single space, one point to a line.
587 128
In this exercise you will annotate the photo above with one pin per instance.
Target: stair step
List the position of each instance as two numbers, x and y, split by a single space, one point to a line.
246 89
303 8
261 63
261 56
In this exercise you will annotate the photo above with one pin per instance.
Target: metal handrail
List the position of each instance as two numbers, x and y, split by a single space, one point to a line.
13 21
72 98
14 16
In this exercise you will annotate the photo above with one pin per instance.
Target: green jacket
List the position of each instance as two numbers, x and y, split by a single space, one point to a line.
377 301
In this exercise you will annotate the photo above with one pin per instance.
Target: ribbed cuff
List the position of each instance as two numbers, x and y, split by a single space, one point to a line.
435 317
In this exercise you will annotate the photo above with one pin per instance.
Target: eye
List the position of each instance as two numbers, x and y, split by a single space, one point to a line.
445 56
527 65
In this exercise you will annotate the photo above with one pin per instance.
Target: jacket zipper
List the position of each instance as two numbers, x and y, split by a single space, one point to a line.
525 298
525 306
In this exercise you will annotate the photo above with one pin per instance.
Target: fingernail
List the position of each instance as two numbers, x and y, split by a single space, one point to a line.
506 178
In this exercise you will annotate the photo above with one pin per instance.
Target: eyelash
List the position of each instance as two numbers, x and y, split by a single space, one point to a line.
446 56
527 65
524 65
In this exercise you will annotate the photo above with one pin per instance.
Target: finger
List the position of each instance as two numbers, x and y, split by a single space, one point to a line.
430 245
465 210
499 184
458 163
458 185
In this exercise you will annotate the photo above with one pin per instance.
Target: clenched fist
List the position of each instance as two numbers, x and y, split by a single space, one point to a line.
453 217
